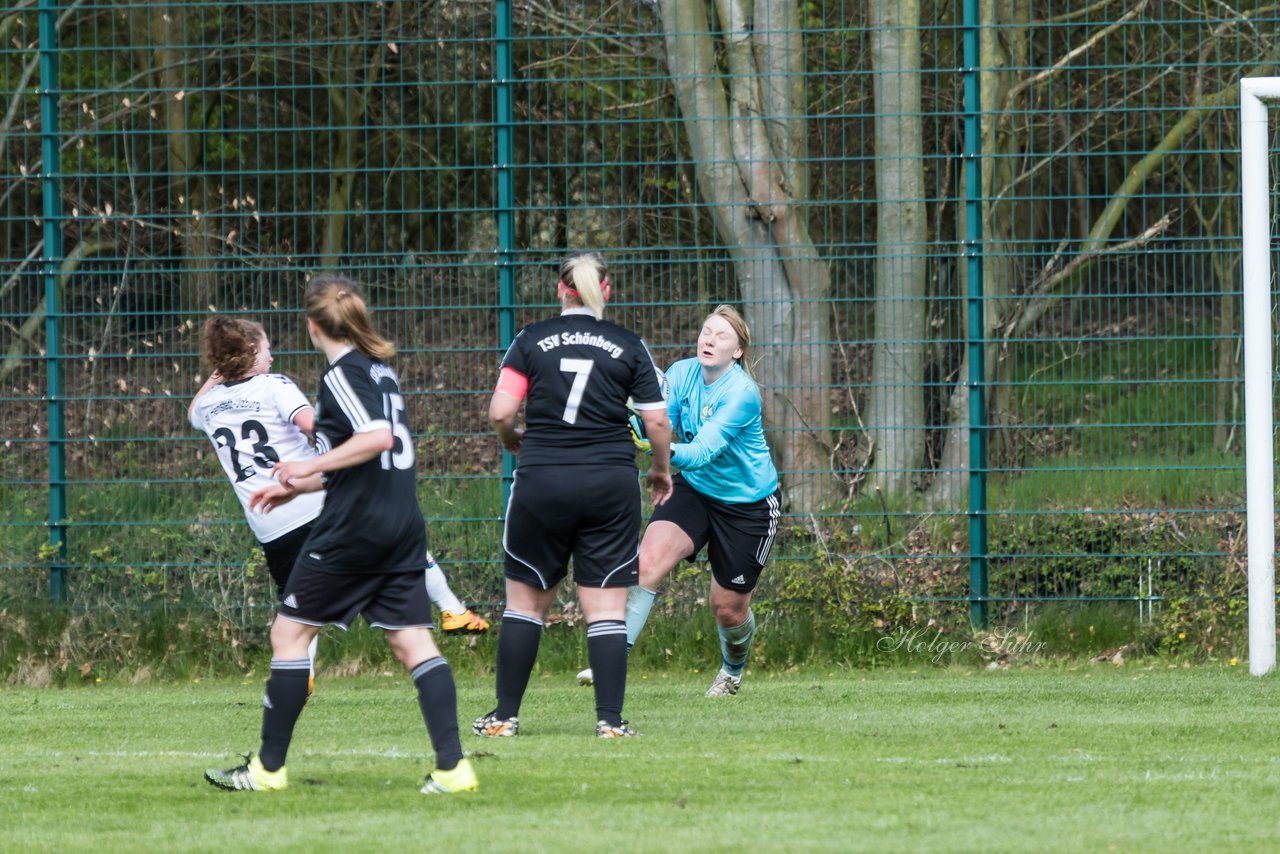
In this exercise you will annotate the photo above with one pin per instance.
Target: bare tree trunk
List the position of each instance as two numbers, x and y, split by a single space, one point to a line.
1224 221
1226 396
746 144
345 112
949 485
896 411
779 48
188 189
349 97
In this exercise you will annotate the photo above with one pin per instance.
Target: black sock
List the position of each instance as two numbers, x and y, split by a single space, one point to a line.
607 655
517 650
438 699
285 696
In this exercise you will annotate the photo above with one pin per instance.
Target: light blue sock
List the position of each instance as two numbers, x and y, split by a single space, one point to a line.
639 603
735 643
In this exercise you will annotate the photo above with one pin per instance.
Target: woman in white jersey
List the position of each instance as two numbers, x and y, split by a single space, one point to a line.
725 496
256 419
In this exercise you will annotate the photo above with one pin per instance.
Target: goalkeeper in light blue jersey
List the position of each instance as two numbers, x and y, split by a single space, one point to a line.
718 439
725 497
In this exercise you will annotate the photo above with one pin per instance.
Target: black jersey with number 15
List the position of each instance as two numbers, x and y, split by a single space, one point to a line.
371 521
581 371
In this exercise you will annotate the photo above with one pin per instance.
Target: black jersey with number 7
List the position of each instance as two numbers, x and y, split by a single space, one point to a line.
581 371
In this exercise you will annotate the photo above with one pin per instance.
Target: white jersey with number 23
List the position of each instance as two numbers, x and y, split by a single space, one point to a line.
250 423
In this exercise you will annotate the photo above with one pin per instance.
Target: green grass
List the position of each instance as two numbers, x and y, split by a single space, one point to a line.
46 647
1203 479
1066 759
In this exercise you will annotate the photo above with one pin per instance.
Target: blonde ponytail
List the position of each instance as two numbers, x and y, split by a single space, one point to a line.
586 274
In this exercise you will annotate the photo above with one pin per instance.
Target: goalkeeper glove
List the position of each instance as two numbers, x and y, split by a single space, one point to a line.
637 432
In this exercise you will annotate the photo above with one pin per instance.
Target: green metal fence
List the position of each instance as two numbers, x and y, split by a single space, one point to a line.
989 251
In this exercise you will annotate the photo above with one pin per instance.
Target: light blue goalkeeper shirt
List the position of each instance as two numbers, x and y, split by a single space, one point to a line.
718 434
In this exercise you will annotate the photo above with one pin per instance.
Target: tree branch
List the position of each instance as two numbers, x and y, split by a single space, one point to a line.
20 88
1045 291
1071 55
25 334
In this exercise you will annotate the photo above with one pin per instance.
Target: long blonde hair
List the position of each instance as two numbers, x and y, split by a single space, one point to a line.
740 329
586 275
335 304
230 345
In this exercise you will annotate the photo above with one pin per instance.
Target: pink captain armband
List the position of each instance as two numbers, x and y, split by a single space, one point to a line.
512 382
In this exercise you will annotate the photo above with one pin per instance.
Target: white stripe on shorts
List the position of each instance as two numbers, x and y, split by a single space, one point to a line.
762 553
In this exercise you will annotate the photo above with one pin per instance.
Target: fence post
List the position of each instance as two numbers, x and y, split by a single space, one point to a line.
978 589
53 295
503 120
53 225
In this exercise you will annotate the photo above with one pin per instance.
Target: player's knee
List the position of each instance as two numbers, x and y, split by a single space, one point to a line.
655 565
728 616
288 637
730 610
412 646
650 576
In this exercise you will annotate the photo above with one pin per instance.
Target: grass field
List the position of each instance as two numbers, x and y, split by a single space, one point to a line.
1142 757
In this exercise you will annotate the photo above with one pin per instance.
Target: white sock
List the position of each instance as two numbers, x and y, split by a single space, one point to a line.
438 588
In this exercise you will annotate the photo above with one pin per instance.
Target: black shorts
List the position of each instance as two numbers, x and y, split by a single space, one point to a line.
282 553
388 600
589 513
738 537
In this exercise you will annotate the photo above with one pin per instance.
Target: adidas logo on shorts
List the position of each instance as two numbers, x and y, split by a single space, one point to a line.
739 580
291 601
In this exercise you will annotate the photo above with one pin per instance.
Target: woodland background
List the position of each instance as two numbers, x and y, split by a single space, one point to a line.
804 160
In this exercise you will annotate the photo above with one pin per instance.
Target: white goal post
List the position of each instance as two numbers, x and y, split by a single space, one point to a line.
1256 94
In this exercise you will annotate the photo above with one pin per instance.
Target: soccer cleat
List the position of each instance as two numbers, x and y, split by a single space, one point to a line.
249 777
620 730
586 677
455 780
725 685
492 726
465 622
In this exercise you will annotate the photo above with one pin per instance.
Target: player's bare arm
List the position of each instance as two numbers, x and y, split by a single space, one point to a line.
360 448
305 420
503 409
275 495
657 428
